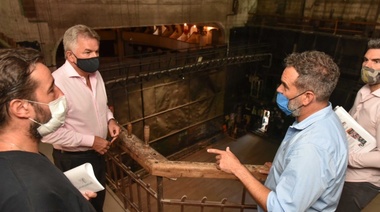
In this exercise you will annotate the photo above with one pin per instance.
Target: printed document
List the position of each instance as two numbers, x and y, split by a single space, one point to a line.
83 178
359 140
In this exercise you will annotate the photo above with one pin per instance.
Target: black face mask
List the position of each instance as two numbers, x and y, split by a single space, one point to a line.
89 65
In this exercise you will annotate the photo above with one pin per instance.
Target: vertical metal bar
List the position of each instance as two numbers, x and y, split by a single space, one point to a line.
148 198
160 193
303 3
243 198
130 179
122 188
142 101
139 202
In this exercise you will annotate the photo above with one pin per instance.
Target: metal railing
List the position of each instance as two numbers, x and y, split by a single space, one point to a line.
138 195
182 62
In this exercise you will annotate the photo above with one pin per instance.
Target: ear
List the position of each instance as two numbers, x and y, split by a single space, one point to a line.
19 108
70 56
309 98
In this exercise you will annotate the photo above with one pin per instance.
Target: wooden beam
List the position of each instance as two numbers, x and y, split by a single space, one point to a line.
158 165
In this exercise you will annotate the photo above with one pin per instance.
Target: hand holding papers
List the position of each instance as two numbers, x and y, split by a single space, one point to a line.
359 140
83 178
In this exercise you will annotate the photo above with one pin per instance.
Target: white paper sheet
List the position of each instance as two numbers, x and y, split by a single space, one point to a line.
83 178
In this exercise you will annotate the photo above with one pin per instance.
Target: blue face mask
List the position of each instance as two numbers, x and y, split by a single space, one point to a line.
283 102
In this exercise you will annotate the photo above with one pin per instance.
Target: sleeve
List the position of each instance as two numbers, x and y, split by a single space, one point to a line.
109 115
69 138
102 85
295 190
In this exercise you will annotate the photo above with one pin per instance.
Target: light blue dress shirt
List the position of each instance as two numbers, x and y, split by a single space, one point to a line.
309 168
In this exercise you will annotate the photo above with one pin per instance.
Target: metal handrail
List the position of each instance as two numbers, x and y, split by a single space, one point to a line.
122 179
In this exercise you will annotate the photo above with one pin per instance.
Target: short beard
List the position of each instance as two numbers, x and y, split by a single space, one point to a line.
34 134
295 108
42 118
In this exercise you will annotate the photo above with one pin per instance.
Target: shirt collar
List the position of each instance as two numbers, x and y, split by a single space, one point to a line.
70 71
375 93
321 114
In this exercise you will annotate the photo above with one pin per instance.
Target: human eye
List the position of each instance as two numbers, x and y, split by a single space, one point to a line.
285 86
51 91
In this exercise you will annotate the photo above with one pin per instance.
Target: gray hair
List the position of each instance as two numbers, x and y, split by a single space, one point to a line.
71 36
373 44
317 72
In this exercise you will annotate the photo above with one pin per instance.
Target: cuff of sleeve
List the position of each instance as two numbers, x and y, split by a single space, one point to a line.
88 140
110 115
270 201
112 119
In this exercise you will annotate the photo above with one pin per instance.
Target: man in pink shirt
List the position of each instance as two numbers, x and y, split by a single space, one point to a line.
362 182
82 138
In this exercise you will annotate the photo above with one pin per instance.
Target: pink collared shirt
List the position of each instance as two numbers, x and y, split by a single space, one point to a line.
87 115
365 167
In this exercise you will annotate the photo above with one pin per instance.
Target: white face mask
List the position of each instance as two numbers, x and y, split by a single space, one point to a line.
58 109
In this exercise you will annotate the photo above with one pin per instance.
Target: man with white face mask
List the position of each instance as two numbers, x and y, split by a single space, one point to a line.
31 106
82 138
58 109
363 173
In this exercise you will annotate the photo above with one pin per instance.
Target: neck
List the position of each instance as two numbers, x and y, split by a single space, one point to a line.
8 146
310 109
18 141
374 87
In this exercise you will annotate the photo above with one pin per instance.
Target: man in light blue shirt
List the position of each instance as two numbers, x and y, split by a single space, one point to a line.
308 170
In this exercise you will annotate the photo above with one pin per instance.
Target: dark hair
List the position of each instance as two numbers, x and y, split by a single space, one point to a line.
16 66
317 72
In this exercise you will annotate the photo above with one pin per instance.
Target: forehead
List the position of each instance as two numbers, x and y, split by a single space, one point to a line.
42 75
84 43
289 76
372 54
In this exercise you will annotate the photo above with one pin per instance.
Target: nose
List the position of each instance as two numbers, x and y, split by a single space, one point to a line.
279 89
95 54
368 64
365 63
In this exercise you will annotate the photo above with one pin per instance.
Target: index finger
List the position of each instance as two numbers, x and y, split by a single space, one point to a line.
113 139
215 151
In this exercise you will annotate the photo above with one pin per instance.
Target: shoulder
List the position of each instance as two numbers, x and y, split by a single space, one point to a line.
33 183
60 74
98 76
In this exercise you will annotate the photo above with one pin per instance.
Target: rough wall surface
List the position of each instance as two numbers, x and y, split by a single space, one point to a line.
53 17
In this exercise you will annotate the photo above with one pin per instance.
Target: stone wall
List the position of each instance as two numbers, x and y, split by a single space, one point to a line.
52 18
